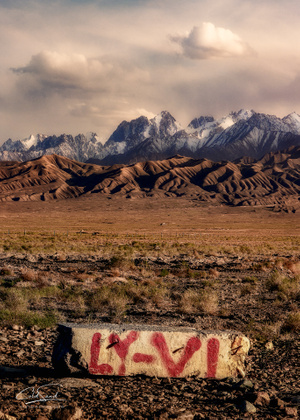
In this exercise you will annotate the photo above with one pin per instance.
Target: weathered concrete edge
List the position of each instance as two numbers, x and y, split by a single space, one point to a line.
68 357
145 327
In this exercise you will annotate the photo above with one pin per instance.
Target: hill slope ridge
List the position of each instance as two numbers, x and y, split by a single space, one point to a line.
272 180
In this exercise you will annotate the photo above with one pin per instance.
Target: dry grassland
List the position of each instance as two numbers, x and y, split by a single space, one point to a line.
169 254
168 261
80 225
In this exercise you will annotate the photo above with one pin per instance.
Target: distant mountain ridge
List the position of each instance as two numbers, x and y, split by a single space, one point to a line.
242 133
273 180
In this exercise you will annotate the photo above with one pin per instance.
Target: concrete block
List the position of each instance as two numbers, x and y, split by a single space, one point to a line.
111 349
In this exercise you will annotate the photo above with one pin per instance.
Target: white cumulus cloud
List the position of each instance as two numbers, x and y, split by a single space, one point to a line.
54 71
208 41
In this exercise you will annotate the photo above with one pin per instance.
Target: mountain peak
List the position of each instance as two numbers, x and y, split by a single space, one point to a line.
243 114
238 134
164 124
293 120
201 121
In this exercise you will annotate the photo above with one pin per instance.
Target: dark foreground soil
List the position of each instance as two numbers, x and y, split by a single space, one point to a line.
270 389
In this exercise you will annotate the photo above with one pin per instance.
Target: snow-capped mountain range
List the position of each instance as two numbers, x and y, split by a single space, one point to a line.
242 133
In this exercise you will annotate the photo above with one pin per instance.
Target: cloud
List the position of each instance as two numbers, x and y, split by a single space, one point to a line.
51 72
58 70
72 90
86 65
209 41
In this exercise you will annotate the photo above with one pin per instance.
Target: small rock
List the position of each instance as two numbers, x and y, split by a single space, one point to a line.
77 383
246 383
262 398
279 403
291 411
164 416
20 353
39 343
31 381
67 413
125 409
8 417
15 327
296 400
187 415
247 407
8 386
3 339
269 346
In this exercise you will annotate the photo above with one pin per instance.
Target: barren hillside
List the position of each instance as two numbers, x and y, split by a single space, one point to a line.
272 180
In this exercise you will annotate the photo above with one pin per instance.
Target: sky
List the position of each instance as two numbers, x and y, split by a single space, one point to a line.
75 66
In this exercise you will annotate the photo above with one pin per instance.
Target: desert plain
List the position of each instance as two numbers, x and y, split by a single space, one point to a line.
170 261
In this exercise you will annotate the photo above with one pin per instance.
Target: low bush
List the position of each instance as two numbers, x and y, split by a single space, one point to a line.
286 287
292 323
27 318
193 301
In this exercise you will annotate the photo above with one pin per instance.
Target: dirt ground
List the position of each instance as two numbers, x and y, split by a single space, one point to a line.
247 257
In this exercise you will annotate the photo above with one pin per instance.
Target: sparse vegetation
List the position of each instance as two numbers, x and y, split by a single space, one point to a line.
28 318
229 269
199 301
285 287
193 267
292 323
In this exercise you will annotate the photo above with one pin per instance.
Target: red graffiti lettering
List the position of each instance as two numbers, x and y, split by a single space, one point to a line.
94 368
213 347
122 347
174 369
143 358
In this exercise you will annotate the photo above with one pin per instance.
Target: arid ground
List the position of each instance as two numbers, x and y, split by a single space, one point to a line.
160 261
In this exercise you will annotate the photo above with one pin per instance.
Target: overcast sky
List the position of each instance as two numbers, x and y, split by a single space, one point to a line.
74 66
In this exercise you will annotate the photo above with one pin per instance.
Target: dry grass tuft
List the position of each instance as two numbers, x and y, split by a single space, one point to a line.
111 299
292 323
286 287
28 275
16 300
6 271
247 289
213 272
205 301
293 266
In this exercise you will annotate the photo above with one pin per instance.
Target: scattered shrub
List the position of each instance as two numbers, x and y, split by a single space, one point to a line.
28 275
28 318
247 289
6 271
193 301
164 272
109 298
286 287
213 272
292 323
250 279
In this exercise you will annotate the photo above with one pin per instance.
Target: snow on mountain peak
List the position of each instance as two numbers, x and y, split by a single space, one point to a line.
242 133
243 114
165 122
234 117
293 122
157 120
293 115
30 141
94 138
